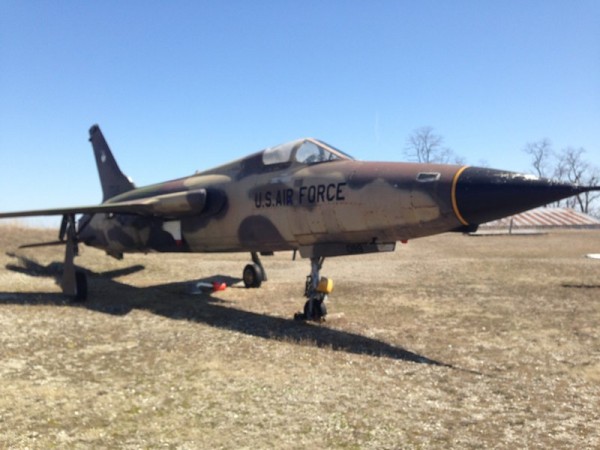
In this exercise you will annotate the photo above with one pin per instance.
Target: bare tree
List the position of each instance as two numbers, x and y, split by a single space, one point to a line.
423 145
572 167
541 154
590 203
567 165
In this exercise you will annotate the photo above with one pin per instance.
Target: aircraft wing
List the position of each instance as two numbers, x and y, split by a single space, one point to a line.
175 205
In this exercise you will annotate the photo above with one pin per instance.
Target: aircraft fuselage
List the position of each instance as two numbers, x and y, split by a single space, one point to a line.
329 208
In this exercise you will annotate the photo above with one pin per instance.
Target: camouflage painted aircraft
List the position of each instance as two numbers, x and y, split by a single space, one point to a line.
304 195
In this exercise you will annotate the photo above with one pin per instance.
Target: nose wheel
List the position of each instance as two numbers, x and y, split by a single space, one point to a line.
315 309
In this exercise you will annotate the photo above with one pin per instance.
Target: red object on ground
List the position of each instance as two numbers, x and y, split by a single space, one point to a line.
218 286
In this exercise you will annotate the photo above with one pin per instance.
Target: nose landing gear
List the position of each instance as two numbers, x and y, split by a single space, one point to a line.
316 290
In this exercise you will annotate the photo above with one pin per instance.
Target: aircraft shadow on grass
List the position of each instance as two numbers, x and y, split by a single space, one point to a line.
200 308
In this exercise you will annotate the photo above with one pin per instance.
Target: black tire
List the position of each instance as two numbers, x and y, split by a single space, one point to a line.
81 287
252 276
315 309
308 310
322 309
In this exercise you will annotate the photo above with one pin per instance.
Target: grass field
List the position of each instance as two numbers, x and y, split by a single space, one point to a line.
451 341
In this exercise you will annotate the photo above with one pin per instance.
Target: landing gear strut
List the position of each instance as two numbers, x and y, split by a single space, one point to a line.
254 274
74 283
316 290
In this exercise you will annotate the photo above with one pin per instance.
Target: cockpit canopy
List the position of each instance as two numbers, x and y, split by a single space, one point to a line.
303 151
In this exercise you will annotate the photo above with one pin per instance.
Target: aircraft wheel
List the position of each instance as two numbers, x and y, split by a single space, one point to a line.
252 276
315 309
81 287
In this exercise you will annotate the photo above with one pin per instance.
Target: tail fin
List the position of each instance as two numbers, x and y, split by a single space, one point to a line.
113 181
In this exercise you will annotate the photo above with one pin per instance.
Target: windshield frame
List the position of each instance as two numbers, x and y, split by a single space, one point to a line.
288 153
313 151
340 153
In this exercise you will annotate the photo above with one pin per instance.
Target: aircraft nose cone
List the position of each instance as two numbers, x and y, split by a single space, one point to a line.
482 195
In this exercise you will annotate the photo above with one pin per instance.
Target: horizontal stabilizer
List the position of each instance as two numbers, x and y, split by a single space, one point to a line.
43 244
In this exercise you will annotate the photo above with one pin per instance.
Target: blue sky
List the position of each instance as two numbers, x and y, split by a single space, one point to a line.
184 85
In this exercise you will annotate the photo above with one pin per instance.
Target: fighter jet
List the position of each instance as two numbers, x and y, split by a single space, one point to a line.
304 195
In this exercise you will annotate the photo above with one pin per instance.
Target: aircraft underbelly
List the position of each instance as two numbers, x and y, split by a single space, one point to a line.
242 228
207 236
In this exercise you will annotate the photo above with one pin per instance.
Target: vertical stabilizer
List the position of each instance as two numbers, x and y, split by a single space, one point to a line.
113 181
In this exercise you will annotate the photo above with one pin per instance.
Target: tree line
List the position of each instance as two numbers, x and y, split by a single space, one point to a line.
568 164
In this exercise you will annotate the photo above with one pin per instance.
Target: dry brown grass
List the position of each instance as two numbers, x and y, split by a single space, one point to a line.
451 341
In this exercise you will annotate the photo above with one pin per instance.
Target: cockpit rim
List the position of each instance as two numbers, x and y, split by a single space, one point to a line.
288 152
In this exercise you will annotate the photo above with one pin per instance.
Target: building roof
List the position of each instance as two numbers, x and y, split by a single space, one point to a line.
545 218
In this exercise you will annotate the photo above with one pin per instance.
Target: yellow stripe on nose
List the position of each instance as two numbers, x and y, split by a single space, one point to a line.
453 195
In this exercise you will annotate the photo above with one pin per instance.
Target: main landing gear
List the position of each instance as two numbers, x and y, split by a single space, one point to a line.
74 282
316 290
254 274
